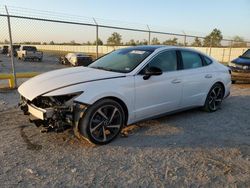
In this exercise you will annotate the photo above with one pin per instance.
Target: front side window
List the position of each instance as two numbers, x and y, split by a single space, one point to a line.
166 61
123 60
191 60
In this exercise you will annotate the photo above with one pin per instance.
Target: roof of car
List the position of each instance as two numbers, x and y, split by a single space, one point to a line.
149 47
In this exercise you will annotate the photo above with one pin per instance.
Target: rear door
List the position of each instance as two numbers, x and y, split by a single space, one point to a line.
196 78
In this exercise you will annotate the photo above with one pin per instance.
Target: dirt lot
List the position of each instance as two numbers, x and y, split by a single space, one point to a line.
188 149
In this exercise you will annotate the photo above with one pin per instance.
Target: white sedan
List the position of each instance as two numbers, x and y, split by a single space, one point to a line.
76 59
124 87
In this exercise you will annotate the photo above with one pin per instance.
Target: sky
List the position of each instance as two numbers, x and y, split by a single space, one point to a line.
197 17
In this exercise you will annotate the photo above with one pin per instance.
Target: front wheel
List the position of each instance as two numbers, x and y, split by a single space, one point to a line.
102 122
214 98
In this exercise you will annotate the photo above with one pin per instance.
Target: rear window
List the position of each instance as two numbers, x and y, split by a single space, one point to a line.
246 54
29 48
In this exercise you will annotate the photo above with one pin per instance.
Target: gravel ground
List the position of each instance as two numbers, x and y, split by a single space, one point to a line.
50 62
188 149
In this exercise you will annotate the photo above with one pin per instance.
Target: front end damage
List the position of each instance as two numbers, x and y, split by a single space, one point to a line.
55 113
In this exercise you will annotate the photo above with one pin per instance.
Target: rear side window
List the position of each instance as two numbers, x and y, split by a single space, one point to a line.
207 60
191 60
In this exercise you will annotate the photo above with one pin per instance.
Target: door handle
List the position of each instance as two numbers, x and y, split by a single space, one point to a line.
208 76
176 81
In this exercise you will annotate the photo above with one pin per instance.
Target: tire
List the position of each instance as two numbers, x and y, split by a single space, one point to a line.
102 122
214 98
233 81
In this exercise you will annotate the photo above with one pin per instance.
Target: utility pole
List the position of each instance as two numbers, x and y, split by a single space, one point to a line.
149 35
11 48
97 38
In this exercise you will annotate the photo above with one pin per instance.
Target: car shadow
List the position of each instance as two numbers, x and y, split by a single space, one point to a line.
228 127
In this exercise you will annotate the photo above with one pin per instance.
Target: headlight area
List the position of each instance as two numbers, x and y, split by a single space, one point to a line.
55 113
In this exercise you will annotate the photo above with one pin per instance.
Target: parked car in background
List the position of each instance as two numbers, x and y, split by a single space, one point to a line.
123 87
15 49
29 52
5 49
240 67
76 59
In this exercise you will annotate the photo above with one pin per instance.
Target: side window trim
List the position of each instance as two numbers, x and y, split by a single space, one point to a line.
179 60
203 59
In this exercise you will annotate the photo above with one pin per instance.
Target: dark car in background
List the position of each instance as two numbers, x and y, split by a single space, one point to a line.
5 49
15 49
240 67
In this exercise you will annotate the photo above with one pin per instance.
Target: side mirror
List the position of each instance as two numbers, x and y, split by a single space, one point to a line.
151 71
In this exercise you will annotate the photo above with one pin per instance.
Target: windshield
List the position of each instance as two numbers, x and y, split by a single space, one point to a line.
246 54
123 60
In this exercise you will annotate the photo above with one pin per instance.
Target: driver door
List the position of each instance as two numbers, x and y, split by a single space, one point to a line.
158 94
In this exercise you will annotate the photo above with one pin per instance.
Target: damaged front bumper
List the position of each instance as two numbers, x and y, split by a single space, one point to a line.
53 118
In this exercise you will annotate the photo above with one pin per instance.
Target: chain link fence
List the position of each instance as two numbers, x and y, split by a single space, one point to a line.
62 33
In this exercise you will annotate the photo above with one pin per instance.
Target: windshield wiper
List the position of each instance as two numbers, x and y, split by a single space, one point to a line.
105 68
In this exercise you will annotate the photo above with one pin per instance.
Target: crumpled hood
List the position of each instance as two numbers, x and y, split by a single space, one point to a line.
242 61
57 79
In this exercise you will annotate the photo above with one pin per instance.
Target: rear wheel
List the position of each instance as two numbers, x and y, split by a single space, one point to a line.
102 122
214 98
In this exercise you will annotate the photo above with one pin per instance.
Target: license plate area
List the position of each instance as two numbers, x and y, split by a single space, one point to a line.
36 112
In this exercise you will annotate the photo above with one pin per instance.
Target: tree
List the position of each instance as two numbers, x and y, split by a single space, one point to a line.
239 42
213 39
155 41
197 42
51 42
6 41
143 42
99 42
131 43
89 43
114 39
172 42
